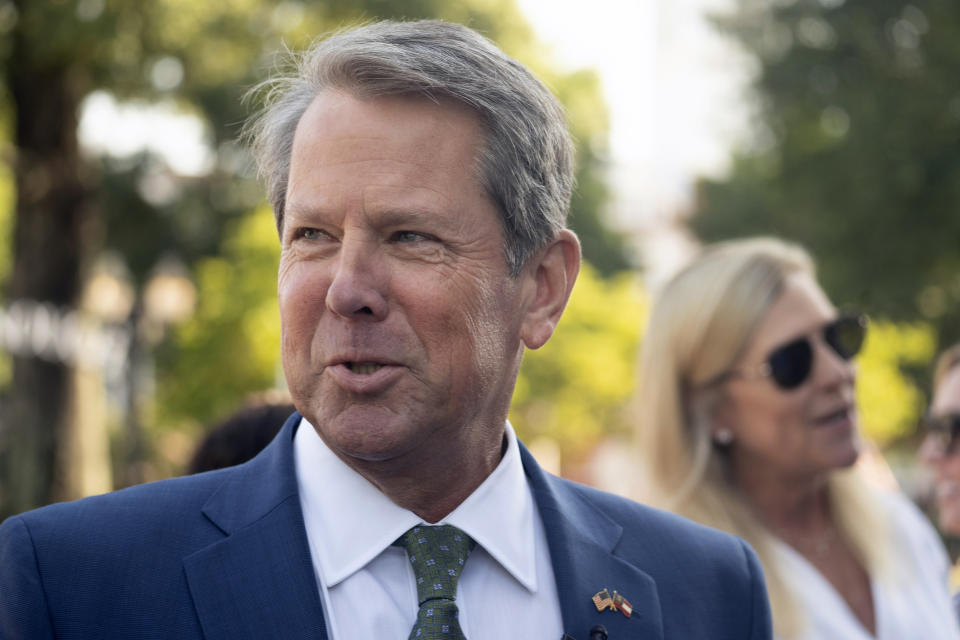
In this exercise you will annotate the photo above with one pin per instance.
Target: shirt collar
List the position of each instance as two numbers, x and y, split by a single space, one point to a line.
357 521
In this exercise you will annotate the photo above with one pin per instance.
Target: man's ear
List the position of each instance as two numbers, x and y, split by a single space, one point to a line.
552 274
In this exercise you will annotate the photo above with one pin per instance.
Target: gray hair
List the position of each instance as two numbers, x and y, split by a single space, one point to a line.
526 163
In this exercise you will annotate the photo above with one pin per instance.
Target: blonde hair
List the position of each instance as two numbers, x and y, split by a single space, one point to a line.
946 363
701 323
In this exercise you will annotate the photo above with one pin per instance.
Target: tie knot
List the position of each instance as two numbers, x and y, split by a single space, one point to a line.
437 555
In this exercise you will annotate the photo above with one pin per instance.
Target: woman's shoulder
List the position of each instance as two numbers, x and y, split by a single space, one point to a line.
914 534
905 514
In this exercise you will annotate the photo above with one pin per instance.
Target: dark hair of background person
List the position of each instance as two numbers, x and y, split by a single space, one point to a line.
239 437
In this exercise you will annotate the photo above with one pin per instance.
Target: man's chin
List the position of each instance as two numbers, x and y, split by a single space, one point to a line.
367 437
370 455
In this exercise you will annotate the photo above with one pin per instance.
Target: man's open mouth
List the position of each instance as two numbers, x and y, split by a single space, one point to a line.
363 368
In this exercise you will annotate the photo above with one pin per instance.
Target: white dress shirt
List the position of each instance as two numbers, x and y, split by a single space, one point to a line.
913 602
507 588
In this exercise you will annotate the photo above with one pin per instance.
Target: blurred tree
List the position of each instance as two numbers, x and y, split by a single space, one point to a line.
52 55
6 213
889 401
606 249
856 149
231 346
6 199
71 204
51 229
575 390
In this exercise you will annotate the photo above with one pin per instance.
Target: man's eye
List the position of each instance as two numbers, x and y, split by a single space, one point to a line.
411 236
311 234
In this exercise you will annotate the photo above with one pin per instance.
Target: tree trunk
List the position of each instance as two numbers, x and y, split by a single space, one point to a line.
52 207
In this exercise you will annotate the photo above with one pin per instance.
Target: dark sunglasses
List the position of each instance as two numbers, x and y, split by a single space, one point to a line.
944 430
789 365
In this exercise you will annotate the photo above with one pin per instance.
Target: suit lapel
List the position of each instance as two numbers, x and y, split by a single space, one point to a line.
258 581
582 541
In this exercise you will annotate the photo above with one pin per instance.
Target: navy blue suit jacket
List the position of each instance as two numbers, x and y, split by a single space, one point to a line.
223 556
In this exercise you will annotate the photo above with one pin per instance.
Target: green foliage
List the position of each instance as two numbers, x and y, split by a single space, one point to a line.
6 227
856 152
6 216
574 389
889 401
231 346
7 178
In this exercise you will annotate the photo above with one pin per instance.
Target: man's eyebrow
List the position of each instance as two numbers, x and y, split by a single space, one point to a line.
405 216
391 217
302 209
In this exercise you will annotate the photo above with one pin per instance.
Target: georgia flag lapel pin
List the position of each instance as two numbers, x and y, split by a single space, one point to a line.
620 604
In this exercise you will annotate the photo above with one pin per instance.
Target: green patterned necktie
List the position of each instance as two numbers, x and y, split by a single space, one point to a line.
437 555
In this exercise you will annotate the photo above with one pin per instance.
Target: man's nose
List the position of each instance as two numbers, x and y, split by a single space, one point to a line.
358 288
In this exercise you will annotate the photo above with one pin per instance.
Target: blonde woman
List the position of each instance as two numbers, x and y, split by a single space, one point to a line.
748 424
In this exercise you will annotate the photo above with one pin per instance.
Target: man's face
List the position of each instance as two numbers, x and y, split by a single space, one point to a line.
401 324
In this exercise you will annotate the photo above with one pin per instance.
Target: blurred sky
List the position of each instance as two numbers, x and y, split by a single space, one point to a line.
675 90
673 86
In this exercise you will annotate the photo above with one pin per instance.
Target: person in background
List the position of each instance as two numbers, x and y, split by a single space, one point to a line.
748 423
940 450
421 181
240 436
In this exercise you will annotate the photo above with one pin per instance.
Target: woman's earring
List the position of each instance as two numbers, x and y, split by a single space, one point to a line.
723 437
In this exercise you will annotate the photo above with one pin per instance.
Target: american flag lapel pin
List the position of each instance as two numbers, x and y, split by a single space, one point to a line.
602 600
